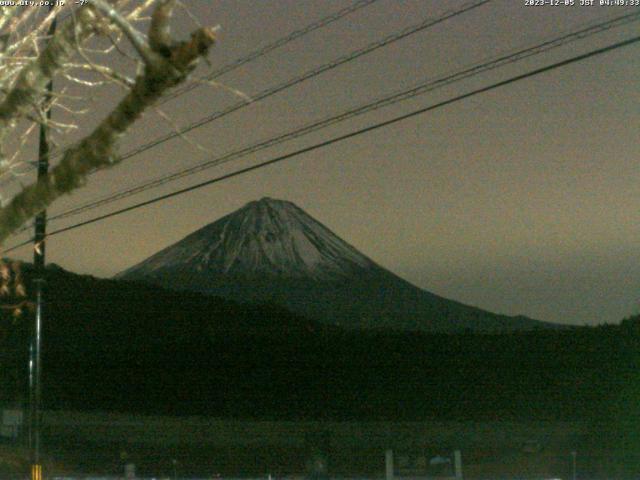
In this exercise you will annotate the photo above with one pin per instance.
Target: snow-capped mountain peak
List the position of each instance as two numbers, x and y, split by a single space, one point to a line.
272 251
265 237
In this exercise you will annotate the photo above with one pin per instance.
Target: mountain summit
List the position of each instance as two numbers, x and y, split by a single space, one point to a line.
272 251
264 238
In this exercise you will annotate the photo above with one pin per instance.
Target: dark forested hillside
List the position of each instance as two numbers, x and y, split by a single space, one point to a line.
119 346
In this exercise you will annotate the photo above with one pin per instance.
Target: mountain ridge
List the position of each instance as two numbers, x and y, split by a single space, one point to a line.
271 250
305 247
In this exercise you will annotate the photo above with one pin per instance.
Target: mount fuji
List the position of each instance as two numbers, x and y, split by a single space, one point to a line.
271 251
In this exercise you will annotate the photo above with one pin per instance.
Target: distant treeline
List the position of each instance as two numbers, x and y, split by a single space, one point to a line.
125 347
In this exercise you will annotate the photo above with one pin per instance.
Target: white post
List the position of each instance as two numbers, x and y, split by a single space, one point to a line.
388 461
457 464
129 471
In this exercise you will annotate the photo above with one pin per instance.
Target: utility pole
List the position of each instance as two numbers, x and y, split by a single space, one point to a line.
35 355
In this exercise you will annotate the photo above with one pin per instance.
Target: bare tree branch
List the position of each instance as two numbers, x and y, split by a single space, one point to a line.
30 86
166 64
136 38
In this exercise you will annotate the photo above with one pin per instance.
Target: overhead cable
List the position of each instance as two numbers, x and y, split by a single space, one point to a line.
420 89
343 137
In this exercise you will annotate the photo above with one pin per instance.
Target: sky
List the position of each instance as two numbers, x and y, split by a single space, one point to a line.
522 200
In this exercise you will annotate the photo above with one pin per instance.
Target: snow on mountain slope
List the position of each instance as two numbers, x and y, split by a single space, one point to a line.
272 251
265 237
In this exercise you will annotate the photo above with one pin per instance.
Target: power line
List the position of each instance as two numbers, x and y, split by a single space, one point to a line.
323 22
425 24
420 89
273 46
340 138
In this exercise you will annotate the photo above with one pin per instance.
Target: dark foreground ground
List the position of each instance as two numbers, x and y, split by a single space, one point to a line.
200 447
